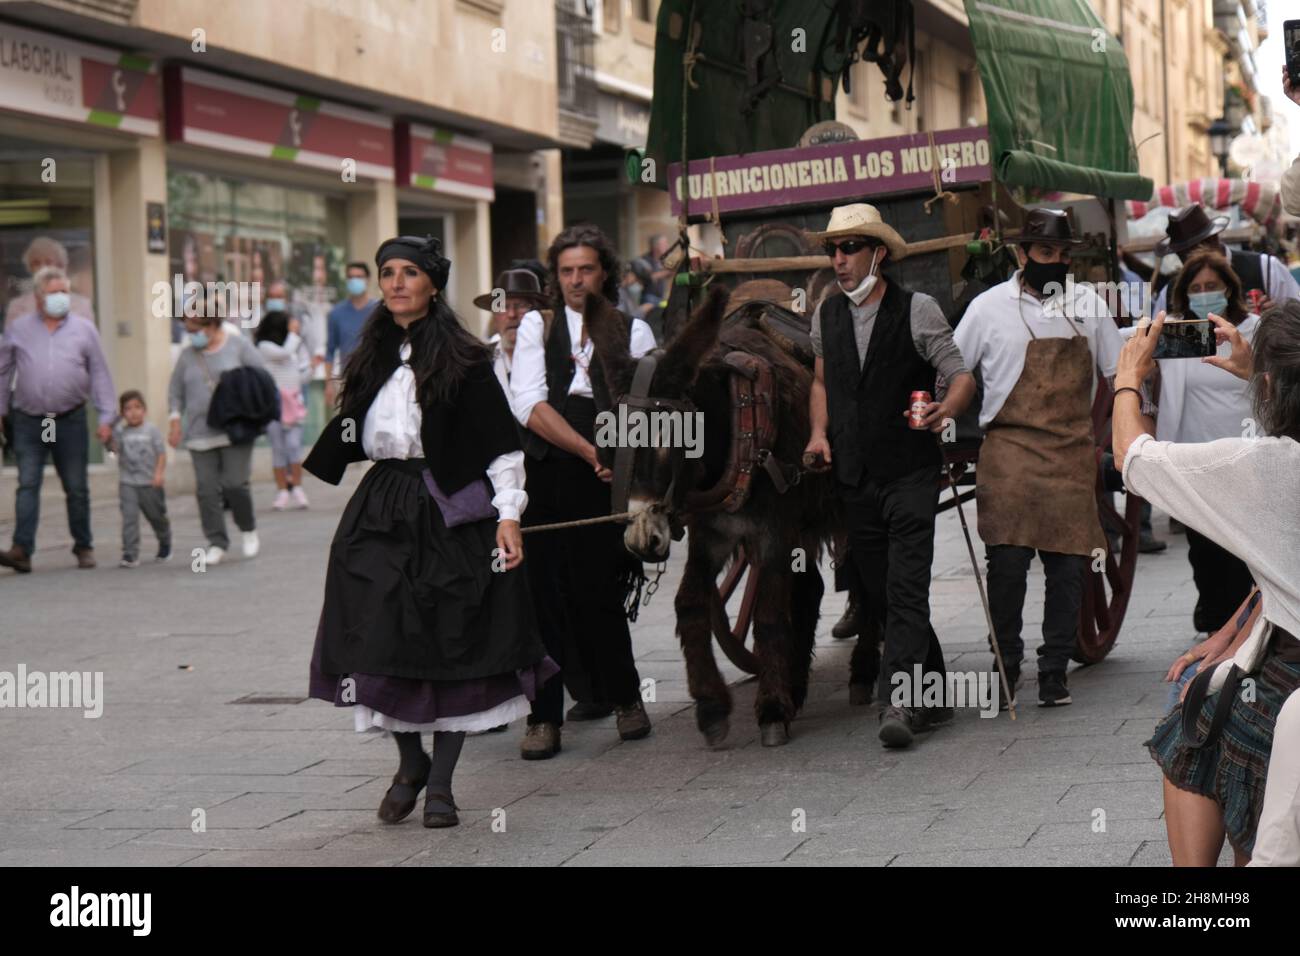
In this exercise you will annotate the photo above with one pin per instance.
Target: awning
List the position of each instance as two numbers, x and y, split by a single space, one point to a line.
1060 99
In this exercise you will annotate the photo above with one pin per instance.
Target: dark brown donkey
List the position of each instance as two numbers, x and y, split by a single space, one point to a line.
782 533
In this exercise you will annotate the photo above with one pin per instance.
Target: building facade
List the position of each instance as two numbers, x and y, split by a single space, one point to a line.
160 142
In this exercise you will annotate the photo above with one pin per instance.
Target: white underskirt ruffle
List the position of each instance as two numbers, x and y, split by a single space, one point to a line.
366 720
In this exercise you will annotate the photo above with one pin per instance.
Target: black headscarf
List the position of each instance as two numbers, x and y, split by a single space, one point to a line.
426 253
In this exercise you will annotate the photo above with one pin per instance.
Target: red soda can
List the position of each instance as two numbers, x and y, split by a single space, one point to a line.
1256 297
917 414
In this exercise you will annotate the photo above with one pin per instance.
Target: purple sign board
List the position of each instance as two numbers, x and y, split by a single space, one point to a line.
825 174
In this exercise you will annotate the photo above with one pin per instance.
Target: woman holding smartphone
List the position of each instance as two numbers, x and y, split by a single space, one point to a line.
1199 403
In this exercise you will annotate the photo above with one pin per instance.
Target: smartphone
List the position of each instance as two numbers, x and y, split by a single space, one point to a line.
1291 46
1185 338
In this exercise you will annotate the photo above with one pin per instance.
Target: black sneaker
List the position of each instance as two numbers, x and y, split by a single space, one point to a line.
1052 690
898 725
164 552
1013 681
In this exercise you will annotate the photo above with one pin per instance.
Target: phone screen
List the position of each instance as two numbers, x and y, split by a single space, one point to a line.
1186 338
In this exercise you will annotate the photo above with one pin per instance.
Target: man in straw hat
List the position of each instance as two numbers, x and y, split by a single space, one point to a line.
875 343
1190 229
516 293
1039 355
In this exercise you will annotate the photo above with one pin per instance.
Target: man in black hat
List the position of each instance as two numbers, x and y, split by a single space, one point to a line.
1190 229
1039 350
516 293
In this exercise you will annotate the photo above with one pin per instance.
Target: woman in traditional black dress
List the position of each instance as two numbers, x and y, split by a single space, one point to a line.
427 624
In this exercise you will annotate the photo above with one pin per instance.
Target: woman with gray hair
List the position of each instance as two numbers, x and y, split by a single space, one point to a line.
1216 748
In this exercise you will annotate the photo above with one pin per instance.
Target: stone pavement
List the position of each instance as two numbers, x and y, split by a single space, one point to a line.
290 783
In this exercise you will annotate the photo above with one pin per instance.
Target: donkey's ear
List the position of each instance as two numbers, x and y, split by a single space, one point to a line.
609 335
689 347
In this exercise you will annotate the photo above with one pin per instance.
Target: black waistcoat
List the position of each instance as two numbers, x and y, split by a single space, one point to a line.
868 433
560 369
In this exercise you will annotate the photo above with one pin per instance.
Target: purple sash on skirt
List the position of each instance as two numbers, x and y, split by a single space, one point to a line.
470 504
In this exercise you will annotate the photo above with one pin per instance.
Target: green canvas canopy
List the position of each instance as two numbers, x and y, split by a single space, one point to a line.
1060 99
714 112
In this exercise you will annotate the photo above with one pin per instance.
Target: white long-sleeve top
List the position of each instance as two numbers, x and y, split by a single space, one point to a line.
528 369
392 430
289 364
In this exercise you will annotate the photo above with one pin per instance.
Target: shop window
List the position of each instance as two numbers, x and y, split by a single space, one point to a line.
612 15
643 20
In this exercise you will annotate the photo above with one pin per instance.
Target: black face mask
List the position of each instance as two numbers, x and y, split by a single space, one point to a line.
1039 275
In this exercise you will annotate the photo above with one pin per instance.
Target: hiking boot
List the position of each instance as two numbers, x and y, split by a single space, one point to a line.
1052 689
85 557
898 725
848 625
585 710
541 742
928 718
633 721
16 558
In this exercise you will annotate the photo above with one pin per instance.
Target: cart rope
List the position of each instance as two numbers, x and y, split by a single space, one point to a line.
622 516
939 191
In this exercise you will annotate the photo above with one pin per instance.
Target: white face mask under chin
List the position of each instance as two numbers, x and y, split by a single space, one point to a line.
859 295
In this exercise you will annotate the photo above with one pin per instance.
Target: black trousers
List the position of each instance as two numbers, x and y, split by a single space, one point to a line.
577 593
1008 580
1222 580
891 537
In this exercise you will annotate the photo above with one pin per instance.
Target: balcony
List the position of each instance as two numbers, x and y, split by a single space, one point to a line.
575 74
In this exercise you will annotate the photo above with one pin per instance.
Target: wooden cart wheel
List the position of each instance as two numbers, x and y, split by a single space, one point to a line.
732 638
1106 592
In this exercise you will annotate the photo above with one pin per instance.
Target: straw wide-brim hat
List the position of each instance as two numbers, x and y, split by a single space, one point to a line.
862 219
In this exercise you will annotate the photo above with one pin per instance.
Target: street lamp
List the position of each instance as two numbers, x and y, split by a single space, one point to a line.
1220 132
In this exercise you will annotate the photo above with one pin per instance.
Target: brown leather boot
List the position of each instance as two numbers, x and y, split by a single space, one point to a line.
85 557
16 558
541 742
633 721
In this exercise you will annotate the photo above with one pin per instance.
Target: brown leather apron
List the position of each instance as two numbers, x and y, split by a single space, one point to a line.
1037 472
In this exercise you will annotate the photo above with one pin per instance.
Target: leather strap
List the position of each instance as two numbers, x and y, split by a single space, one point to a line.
1195 701
625 455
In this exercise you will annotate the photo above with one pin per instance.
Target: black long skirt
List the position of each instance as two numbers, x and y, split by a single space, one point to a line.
418 628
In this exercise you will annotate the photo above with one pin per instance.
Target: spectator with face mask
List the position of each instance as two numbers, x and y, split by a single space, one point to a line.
345 322
60 365
44 252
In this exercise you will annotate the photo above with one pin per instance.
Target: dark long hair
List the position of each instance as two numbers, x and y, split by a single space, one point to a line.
442 351
1276 402
1179 300
274 327
582 235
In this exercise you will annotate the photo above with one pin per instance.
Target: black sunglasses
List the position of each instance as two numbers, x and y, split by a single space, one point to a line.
848 246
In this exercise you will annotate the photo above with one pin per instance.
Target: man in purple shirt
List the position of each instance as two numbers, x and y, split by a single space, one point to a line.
60 365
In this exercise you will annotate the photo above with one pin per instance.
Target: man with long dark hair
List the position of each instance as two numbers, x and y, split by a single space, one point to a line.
576 573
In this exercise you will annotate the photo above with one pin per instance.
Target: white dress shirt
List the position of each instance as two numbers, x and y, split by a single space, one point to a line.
528 374
392 430
993 340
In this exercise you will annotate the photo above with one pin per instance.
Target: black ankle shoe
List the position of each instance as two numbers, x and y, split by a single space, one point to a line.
436 819
400 799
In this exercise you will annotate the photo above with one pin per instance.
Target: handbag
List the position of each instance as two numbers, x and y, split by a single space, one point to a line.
292 410
472 503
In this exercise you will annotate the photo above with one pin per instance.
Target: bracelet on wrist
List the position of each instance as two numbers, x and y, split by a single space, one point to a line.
1128 388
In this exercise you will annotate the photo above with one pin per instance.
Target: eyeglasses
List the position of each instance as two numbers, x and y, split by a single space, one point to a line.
848 246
